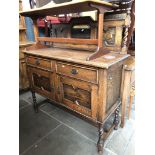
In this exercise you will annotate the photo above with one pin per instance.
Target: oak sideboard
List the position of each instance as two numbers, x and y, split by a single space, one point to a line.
86 82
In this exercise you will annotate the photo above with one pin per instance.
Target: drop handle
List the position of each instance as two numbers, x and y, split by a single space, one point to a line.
74 71
76 102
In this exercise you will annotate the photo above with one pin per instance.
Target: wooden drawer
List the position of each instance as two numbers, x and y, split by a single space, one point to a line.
39 62
78 72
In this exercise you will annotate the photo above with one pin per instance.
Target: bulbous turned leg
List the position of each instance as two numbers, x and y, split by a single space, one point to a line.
34 101
100 142
116 119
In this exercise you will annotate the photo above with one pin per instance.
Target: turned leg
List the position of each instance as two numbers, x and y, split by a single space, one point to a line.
100 142
116 119
34 101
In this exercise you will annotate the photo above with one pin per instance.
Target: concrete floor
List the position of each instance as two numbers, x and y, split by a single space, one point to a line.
53 131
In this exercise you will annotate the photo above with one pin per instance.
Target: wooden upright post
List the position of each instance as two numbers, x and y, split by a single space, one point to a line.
100 29
100 51
35 28
124 94
131 29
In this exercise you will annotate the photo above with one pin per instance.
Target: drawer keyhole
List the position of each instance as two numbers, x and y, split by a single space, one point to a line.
74 71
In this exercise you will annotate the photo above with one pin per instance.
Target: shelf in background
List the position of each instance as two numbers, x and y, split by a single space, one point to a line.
25 43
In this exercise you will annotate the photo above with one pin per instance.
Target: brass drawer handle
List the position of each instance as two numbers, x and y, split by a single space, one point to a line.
37 62
74 71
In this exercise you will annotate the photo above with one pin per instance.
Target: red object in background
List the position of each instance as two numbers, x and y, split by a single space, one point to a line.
53 20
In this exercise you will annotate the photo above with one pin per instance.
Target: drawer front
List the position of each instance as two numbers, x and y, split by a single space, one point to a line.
78 72
39 62
78 96
41 81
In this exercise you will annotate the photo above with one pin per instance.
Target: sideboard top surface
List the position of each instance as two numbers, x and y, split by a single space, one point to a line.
77 56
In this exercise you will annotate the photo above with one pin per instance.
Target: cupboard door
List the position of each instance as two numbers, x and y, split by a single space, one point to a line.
41 81
79 96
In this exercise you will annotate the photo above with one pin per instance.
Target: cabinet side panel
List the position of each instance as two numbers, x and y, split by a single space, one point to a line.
113 85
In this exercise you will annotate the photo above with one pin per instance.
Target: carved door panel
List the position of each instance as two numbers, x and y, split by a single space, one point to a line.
41 81
112 37
79 96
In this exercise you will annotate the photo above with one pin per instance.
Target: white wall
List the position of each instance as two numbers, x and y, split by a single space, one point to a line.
26 4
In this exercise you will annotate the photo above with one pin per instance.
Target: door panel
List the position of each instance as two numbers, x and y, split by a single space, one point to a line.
78 95
42 81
